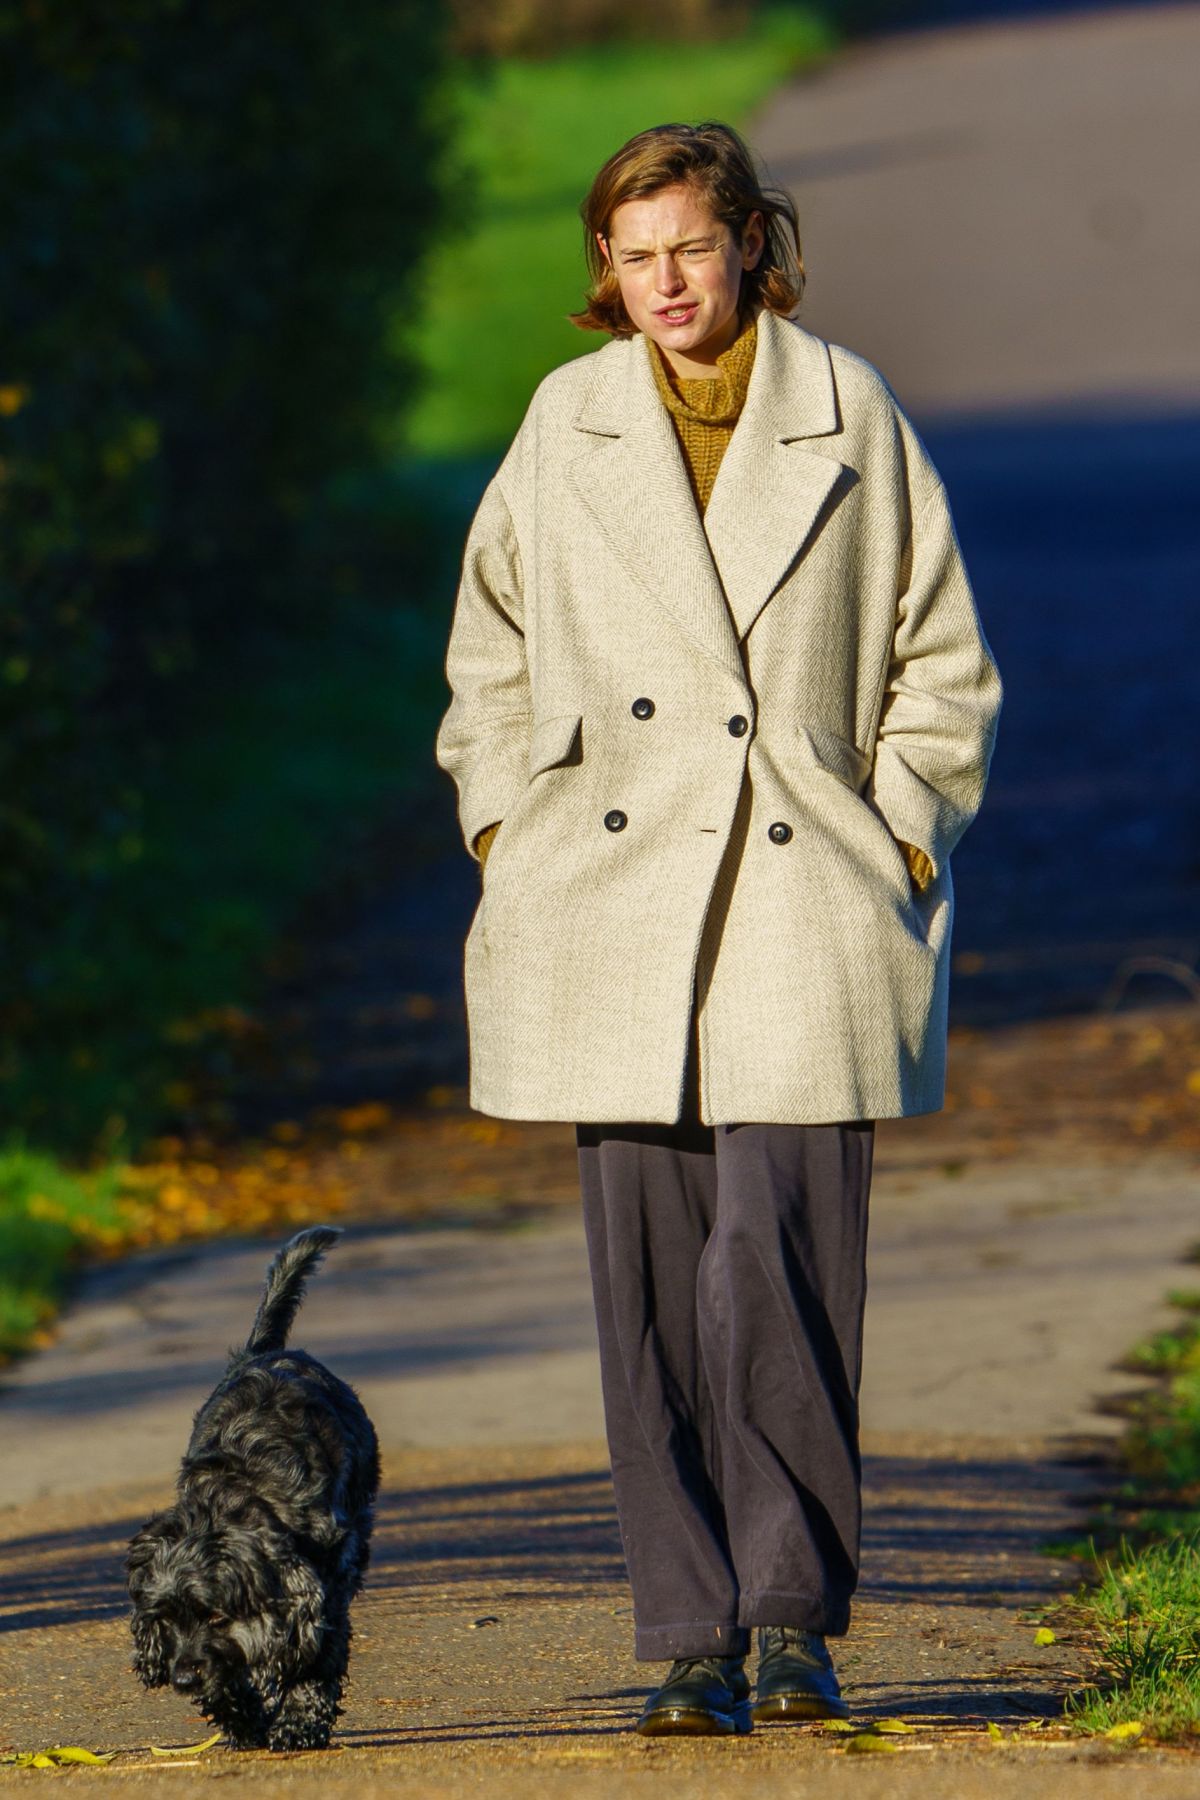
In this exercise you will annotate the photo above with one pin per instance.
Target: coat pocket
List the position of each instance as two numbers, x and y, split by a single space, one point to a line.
554 741
836 756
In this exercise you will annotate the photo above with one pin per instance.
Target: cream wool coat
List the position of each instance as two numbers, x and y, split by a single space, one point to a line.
703 739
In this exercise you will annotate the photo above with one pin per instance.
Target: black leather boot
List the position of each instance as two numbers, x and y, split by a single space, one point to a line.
795 1677
701 1697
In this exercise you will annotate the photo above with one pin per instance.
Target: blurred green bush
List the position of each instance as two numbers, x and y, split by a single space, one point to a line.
538 28
214 216
545 27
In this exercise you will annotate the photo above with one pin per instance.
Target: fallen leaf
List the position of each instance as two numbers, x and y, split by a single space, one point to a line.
895 1726
994 1730
866 1741
61 1753
1129 1728
186 1749
838 1725
1044 1635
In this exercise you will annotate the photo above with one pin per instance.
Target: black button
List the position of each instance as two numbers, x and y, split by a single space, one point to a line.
779 832
616 820
738 727
641 709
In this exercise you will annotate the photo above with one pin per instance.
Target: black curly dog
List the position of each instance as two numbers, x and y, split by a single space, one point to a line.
242 1590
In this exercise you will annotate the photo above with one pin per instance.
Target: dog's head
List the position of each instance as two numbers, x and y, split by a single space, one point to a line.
217 1599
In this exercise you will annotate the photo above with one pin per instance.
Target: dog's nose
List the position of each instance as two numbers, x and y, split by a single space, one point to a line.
185 1677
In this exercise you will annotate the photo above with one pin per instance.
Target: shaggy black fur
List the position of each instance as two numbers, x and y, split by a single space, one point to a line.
242 1590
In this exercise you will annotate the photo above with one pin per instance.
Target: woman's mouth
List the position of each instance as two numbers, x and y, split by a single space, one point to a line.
678 315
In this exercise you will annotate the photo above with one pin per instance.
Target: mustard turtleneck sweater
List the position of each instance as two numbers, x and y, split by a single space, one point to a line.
704 411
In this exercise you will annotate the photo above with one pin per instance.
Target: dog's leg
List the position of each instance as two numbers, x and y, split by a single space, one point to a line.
309 1710
239 1712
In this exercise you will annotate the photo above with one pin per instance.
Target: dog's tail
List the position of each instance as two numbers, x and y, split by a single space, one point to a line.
285 1287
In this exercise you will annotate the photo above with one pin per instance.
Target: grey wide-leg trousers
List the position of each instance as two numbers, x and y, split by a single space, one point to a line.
728 1269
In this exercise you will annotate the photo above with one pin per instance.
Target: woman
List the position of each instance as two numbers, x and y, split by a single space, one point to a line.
722 708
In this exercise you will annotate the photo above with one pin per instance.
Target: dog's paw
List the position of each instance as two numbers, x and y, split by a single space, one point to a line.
298 1734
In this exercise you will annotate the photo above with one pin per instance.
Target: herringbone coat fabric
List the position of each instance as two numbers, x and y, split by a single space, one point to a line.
704 739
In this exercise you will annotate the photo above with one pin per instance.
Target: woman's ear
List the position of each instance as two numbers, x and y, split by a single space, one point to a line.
754 241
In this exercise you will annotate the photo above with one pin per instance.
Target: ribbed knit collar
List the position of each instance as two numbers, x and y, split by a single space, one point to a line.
715 400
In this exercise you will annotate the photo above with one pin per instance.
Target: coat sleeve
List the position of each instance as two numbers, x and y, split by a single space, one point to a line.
942 693
483 739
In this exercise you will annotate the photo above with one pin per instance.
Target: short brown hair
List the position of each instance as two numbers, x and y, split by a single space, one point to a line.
714 160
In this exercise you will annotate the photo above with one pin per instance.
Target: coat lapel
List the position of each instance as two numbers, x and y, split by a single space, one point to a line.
714 576
771 490
633 479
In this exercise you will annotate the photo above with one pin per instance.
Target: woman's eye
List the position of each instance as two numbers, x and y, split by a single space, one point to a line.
218 1618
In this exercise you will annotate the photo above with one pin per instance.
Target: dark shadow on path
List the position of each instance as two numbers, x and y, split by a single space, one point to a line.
1082 537
940 1532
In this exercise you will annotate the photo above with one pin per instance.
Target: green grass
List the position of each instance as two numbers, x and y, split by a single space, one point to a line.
1146 1612
48 1214
533 135
1143 1613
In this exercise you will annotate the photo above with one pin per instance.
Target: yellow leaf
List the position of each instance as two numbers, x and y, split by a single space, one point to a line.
895 1726
41 1761
866 1741
1043 1635
72 1753
994 1730
1131 1728
186 1749
838 1725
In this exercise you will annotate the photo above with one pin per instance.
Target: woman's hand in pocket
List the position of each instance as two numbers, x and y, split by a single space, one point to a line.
483 842
920 868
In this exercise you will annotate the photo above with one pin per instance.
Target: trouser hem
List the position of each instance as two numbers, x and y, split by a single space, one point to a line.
664 1643
803 1612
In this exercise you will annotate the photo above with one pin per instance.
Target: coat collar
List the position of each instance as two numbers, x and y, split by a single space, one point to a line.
714 575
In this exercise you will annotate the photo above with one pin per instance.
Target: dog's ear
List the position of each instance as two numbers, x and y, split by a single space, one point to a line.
151 1650
144 1546
151 1642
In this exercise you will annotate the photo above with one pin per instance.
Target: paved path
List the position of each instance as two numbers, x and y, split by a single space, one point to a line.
999 1299
1006 214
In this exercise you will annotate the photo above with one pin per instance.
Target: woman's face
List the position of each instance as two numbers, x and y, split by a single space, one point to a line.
680 272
